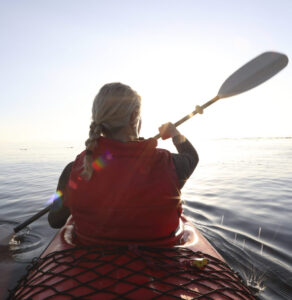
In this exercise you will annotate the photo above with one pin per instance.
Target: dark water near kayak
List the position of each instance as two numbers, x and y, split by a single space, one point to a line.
240 197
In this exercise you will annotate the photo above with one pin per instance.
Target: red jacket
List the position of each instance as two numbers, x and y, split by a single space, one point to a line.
132 196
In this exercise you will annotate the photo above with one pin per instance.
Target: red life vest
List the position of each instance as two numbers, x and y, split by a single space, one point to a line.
132 196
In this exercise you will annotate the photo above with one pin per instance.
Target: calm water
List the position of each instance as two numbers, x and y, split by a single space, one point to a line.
240 197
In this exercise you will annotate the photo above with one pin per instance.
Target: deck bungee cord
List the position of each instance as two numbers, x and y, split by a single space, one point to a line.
130 273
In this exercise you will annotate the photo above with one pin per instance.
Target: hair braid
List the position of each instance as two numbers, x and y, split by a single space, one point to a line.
91 143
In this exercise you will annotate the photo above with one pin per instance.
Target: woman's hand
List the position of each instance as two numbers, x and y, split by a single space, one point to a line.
168 130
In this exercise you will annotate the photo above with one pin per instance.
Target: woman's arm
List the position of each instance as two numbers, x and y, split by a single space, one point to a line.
59 213
187 158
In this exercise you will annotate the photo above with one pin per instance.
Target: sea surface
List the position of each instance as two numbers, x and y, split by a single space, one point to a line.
239 197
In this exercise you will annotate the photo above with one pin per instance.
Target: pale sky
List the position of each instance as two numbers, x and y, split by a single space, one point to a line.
56 54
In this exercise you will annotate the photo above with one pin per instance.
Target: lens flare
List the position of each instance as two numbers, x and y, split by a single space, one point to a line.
55 196
72 184
99 163
102 161
108 155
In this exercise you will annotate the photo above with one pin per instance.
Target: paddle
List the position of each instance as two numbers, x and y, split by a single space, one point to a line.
32 219
252 74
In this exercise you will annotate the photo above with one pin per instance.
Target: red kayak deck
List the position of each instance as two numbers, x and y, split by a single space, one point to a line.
65 271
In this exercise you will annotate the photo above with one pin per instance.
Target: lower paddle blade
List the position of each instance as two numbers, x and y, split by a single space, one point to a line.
252 74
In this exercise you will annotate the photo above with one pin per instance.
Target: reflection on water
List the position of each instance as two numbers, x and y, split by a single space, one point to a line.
239 198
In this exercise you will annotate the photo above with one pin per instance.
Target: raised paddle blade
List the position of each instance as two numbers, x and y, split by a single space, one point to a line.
252 74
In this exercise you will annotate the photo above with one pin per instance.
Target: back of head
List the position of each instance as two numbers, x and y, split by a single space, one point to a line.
112 109
113 106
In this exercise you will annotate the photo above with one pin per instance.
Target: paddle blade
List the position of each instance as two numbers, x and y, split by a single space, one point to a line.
252 74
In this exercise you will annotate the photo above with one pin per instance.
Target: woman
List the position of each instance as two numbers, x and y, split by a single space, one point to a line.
122 189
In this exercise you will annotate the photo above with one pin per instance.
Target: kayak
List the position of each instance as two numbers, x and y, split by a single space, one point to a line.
191 269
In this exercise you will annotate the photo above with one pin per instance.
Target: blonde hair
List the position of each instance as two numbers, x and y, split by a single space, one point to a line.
112 109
